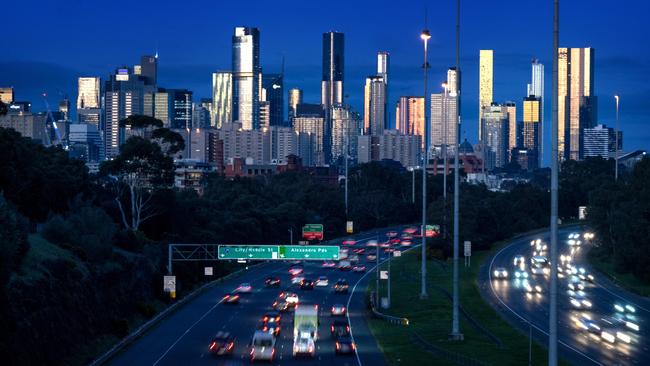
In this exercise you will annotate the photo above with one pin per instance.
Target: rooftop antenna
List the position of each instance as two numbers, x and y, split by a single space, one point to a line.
282 70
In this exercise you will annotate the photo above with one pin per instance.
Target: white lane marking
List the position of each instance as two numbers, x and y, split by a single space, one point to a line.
521 317
622 298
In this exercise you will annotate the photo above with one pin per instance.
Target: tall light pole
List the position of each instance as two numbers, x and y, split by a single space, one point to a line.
552 328
455 322
444 157
616 147
425 36
347 156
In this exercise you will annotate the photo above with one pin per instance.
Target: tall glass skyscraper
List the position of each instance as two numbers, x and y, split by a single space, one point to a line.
88 101
531 129
221 98
536 88
246 72
486 82
273 84
383 65
295 98
410 115
149 69
374 105
495 136
576 100
333 66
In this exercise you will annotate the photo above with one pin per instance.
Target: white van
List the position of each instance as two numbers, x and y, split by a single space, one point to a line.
262 346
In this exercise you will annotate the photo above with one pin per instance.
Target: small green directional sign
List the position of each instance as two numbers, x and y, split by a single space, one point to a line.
248 252
280 252
315 252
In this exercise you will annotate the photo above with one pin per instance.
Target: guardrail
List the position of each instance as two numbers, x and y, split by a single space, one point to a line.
388 318
124 342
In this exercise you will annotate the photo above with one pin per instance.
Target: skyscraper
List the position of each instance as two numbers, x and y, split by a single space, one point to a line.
273 85
410 116
221 98
576 100
536 88
88 92
495 135
452 81
180 104
333 67
246 73
601 141
149 69
513 132
344 132
443 111
309 125
64 107
7 95
531 128
295 98
374 105
161 106
486 81
383 65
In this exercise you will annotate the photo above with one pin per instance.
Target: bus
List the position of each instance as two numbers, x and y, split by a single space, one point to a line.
539 265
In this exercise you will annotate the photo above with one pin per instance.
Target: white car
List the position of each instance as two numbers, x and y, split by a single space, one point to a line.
262 346
576 286
304 347
580 302
297 279
629 309
500 273
519 261
338 310
291 298
521 274
530 288
322 282
244 288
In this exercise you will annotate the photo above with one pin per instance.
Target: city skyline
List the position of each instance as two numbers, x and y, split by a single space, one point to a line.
193 68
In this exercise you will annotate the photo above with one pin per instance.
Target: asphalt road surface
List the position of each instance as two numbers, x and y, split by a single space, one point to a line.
183 338
578 345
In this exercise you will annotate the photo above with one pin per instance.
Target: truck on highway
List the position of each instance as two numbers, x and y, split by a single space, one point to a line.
305 322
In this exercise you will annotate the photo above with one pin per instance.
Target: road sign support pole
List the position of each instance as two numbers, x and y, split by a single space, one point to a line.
169 259
390 257
377 270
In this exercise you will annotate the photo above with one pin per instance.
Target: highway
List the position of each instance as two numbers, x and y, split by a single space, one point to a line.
578 345
183 337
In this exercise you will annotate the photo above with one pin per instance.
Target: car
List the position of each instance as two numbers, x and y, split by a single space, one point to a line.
624 309
345 265
359 268
322 281
620 322
231 298
532 288
578 286
371 243
349 242
407 236
395 240
344 345
244 288
262 346
406 243
359 250
296 280
391 234
500 273
410 230
385 244
304 346
338 310
281 305
270 328
328 264
353 258
295 270
291 298
519 274
341 286
371 257
585 322
222 344
307 284
339 328
580 302
272 317
519 261
272 282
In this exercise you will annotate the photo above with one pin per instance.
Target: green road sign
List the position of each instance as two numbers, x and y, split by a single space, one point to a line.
321 252
248 252
312 232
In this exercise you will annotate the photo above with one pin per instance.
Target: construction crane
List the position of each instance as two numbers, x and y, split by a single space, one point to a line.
59 140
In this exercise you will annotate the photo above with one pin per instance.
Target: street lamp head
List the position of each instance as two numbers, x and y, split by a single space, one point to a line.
444 86
616 97
425 35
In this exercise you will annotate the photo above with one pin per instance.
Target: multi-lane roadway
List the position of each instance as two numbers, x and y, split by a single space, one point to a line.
590 329
183 338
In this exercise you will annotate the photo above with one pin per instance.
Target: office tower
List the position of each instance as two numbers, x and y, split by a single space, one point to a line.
207 104
513 131
383 65
576 100
7 95
531 128
390 145
161 107
246 144
86 142
222 107
495 125
180 108
282 142
88 92
453 81
601 141
21 119
443 111
344 132
64 107
149 69
374 105
246 73
123 96
486 81
295 98
200 116
309 125
410 116
265 114
536 88
333 66
273 85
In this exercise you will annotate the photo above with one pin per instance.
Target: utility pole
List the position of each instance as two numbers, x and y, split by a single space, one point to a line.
425 36
552 329
390 257
455 324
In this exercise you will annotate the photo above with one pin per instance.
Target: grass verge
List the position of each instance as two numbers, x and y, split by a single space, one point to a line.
431 318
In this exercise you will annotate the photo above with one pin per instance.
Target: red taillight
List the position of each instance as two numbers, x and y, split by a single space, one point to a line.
332 328
332 309
252 352
353 346
231 345
347 328
266 318
226 297
213 345
337 345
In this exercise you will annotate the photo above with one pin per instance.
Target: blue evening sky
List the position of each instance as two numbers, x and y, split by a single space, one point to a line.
47 44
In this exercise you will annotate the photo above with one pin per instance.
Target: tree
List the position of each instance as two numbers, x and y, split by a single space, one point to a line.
135 174
169 140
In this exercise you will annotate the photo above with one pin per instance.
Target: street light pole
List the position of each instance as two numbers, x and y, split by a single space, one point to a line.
425 36
291 235
347 156
616 147
444 156
552 329
455 324
413 184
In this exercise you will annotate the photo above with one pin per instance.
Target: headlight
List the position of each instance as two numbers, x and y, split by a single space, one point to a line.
575 303
632 326
608 337
619 308
587 303
624 337
630 308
